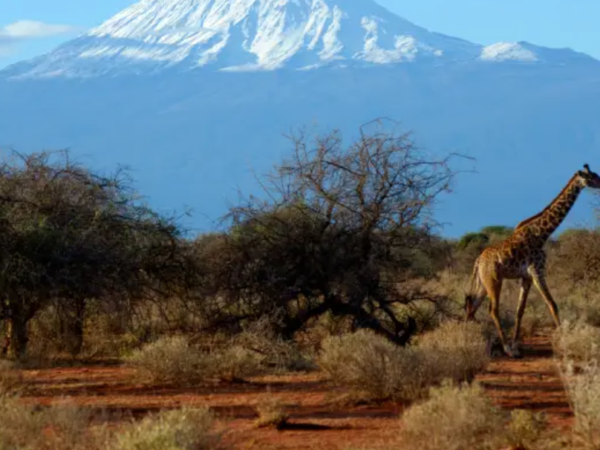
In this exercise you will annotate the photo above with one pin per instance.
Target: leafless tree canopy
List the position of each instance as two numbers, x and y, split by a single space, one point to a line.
339 225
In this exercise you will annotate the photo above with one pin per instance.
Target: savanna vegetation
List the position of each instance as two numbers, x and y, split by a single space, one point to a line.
337 267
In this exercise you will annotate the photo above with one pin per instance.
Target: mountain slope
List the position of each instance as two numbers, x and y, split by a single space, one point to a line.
246 35
192 94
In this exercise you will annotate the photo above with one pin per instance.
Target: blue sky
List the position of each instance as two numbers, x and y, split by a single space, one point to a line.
32 27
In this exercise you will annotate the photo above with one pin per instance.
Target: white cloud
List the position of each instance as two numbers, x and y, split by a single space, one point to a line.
13 34
31 29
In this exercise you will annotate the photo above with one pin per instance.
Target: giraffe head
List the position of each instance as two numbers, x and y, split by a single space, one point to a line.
589 178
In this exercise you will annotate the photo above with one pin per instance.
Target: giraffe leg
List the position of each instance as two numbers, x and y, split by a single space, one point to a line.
494 288
540 283
525 287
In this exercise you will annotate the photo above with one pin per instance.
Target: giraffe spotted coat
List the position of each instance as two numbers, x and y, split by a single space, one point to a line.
522 256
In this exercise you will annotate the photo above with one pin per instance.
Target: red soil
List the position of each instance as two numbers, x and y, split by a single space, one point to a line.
318 419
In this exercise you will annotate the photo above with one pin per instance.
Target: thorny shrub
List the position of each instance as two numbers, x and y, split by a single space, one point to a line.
181 429
277 354
576 346
583 389
174 360
66 426
234 363
171 360
23 426
577 341
460 417
453 418
373 368
456 349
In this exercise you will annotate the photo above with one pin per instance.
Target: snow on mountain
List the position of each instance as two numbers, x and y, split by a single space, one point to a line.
507 51
249 35
529 53
246 35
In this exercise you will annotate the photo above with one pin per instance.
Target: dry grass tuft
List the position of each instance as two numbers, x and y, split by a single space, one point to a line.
583 389
66 426
462 416
577 345
235 363
577 341
181 429
457 350
271 413
277 354
174 360
373 368
21 426
525 429
61 425
453 418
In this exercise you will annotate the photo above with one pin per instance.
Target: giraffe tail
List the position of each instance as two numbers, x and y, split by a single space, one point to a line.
469 296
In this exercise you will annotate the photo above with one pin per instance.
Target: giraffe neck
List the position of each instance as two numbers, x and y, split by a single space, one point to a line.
546 222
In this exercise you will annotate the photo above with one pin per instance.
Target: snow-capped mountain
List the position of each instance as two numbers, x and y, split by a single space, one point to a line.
247 35
194 96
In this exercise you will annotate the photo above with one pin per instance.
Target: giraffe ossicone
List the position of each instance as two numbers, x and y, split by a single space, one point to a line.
521 256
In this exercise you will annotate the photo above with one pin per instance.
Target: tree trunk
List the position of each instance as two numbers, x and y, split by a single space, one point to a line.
365 320
18 312
78 322
19 338
72 319
7 328
361 319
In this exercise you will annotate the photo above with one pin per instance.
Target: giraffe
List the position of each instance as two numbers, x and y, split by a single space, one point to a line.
521 256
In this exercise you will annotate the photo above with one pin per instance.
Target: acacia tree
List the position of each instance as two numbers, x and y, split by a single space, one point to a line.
338 227
69 235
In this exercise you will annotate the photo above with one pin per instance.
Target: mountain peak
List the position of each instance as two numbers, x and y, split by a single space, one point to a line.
244 35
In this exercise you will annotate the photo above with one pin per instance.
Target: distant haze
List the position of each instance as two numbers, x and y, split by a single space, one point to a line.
192 93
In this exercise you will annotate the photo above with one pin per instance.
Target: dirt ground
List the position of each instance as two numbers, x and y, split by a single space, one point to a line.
319 420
